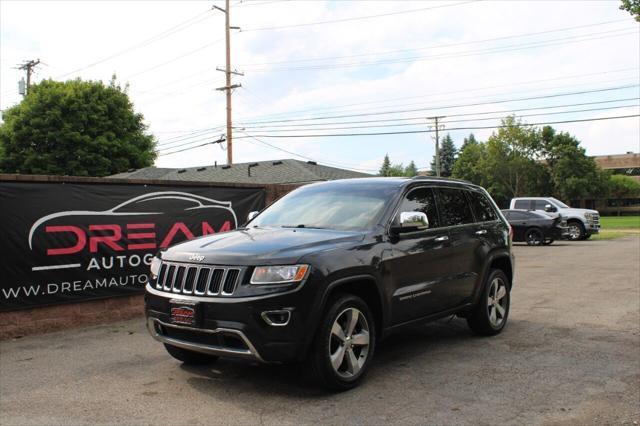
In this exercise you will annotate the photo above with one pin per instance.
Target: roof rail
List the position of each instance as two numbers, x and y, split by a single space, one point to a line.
441 178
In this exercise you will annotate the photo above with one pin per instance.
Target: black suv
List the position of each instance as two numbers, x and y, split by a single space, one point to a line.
326 272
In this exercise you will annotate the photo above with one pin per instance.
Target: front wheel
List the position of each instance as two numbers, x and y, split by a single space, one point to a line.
534 237
344 344
489 316
576 231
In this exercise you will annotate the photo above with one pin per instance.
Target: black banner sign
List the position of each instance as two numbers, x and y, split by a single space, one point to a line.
69 242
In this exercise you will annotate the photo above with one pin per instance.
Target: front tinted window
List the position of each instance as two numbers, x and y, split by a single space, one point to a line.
454 208
539 204
332 206
482 207
421 200
522 204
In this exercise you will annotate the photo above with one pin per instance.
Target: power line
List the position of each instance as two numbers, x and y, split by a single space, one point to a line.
326 58
451 129
358 18
421 118
191 52
556 95
166 33
219 141
478 52
333 108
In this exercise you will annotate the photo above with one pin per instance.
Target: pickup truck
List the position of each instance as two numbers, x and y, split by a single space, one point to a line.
582 223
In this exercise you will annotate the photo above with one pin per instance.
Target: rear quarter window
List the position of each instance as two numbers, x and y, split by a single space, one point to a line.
482 207
454 207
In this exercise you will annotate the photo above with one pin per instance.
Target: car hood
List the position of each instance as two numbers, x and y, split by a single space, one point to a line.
576 212
253 246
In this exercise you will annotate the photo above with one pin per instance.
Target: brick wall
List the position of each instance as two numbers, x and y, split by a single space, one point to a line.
59 317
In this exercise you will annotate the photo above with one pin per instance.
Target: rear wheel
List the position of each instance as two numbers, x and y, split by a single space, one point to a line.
489 316
344 344
534 237
190 357
576 230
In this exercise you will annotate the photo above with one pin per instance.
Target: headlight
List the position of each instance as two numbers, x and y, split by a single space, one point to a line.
279 274
155 267
588 216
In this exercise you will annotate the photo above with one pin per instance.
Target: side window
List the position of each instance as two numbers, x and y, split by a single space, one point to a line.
522 204
539 204
454 208
421 200
482 207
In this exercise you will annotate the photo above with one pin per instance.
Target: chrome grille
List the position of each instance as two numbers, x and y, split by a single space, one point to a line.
198 280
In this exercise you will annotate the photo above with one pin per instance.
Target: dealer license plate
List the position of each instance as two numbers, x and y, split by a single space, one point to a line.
184 313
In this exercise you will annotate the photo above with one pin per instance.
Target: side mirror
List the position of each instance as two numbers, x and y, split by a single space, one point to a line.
252 215
412 221
549 208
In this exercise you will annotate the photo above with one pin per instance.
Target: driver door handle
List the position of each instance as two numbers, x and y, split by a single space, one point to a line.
443 238
481 232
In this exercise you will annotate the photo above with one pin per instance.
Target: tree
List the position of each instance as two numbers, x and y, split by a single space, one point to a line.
511 161
78 128
469 164
387 169
447 157
386 166
633 7
621 186
572 173
411 170
471 139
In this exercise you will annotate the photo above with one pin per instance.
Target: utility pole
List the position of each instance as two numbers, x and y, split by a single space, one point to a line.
437 128
28 66
227 71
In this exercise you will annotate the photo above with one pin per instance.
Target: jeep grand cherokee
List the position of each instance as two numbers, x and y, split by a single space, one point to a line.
329 270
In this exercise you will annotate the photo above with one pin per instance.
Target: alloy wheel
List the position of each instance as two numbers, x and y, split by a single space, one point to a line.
574 232
349 343
534 238
497 302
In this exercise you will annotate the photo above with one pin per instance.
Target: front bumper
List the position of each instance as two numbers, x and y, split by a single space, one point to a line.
236 327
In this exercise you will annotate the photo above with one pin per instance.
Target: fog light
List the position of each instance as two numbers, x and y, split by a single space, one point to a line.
277 318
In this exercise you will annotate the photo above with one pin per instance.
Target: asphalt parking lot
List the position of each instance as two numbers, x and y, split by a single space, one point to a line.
569 355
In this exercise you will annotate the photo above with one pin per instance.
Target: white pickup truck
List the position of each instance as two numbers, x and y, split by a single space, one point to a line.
582 222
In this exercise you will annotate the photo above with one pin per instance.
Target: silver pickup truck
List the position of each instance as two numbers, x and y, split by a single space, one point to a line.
582 222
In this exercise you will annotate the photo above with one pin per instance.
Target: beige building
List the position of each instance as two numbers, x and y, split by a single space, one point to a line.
625 164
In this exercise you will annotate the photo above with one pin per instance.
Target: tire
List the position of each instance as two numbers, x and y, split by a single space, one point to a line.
587 236
190 357
548 242
576 231
534 237
489 316
336 340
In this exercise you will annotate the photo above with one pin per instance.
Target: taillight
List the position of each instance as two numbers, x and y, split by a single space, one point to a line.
510 233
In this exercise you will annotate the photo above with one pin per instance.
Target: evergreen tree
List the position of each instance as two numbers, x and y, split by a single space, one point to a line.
386 166
411 170
447 157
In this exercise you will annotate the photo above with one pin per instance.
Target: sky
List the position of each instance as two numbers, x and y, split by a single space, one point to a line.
314 68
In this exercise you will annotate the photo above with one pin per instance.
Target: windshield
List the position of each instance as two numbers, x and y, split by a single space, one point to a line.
341 207
559 203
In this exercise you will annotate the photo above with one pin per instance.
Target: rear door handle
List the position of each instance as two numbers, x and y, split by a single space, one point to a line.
481 232
443 238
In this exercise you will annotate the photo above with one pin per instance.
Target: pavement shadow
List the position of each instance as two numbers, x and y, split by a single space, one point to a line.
228 378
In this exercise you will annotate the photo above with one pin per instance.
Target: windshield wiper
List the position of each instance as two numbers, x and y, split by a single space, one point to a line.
302 225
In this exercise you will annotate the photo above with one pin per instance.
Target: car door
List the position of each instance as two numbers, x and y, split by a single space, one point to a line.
518 221
456 214
415 262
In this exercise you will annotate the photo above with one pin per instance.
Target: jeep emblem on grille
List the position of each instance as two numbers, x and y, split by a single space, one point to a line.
196 257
